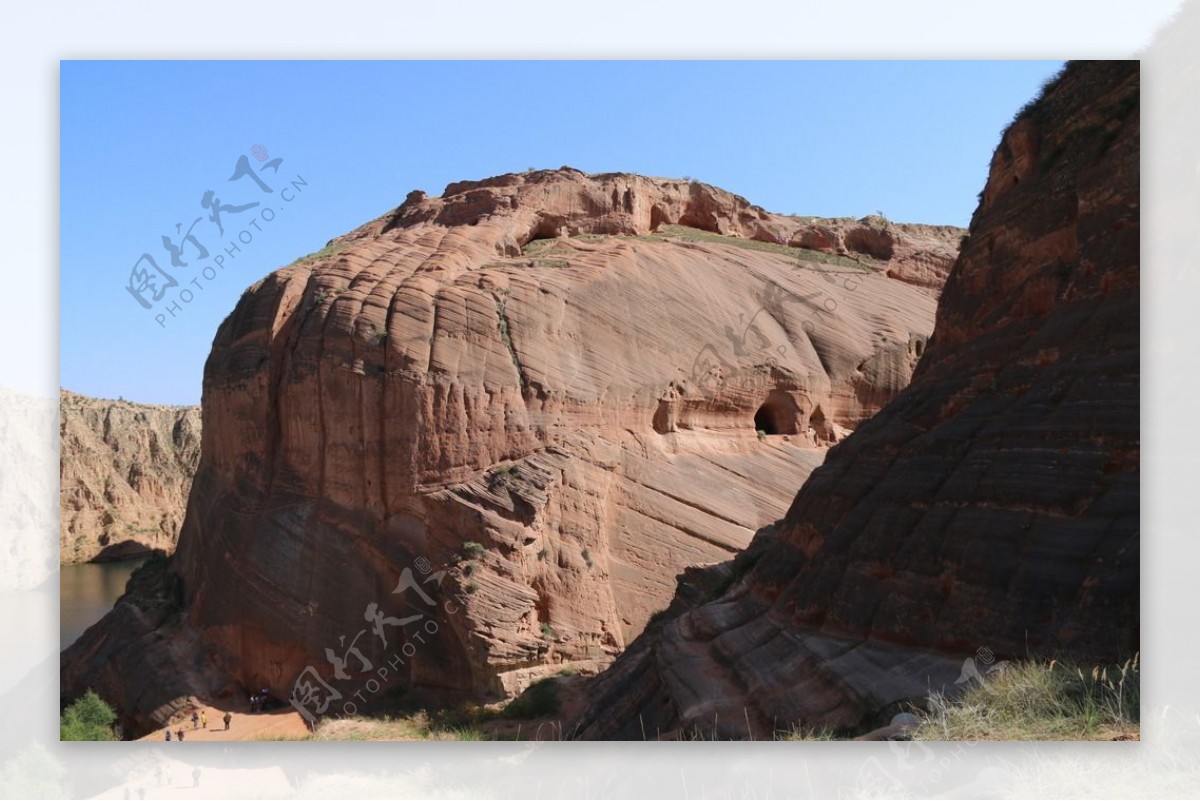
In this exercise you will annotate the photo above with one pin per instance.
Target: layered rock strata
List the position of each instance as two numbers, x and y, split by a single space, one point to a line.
565 388
992 507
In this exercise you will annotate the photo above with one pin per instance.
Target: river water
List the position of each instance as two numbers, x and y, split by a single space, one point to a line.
86 592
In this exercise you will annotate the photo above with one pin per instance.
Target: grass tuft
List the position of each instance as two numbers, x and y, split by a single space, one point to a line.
327 252
803 255
416 726
798 733
1040 701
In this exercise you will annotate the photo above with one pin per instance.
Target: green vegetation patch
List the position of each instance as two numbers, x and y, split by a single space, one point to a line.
539 700
327 252
88 719
686 234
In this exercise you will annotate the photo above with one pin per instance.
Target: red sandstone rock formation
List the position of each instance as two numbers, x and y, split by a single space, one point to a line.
993 504
565 387
124 474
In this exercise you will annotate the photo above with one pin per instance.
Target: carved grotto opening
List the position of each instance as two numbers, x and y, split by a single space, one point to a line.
778 414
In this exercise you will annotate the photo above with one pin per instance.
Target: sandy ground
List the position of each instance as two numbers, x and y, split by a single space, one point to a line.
264 725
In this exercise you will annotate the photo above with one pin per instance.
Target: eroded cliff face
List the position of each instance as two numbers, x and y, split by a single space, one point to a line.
565 388
125 470
993 504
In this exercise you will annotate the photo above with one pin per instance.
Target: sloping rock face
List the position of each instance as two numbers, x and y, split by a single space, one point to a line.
565 388
125 470
140 658
920 255
993 504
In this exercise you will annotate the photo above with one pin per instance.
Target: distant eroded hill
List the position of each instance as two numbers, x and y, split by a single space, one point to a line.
125 473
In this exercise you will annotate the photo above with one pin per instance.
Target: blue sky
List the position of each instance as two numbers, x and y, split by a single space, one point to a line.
142 142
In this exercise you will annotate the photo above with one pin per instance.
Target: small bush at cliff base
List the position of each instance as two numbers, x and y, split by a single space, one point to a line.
538 700
88 719
473 550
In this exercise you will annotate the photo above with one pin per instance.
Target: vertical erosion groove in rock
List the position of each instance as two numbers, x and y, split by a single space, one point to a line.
566 387
992 504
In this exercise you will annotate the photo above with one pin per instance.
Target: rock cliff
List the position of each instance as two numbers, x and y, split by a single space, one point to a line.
565 388
125 470
994 504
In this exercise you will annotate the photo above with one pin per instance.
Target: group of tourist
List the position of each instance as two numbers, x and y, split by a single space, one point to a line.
258 701
199 720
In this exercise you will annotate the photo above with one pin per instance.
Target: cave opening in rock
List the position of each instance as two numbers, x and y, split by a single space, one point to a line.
778 414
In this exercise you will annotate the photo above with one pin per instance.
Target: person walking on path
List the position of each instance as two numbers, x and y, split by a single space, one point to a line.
179 734
228 717
204 718
168 735
195 720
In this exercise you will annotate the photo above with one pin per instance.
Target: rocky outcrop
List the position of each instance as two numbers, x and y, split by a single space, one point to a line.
920 255
565 388
992 505
125 470
141 659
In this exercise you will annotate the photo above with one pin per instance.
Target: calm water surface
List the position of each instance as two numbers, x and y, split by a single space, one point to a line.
86 592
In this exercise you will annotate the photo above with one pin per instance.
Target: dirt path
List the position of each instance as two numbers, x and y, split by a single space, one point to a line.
283 724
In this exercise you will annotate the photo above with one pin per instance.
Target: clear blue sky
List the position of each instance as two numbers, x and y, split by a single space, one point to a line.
143 141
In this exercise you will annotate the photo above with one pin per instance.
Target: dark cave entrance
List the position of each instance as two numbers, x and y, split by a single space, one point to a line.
778 414
763 421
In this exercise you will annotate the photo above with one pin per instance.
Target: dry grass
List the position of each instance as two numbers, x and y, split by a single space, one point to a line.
327 252
686 234
798 733
536 714
1040 701
1030 701
417 726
